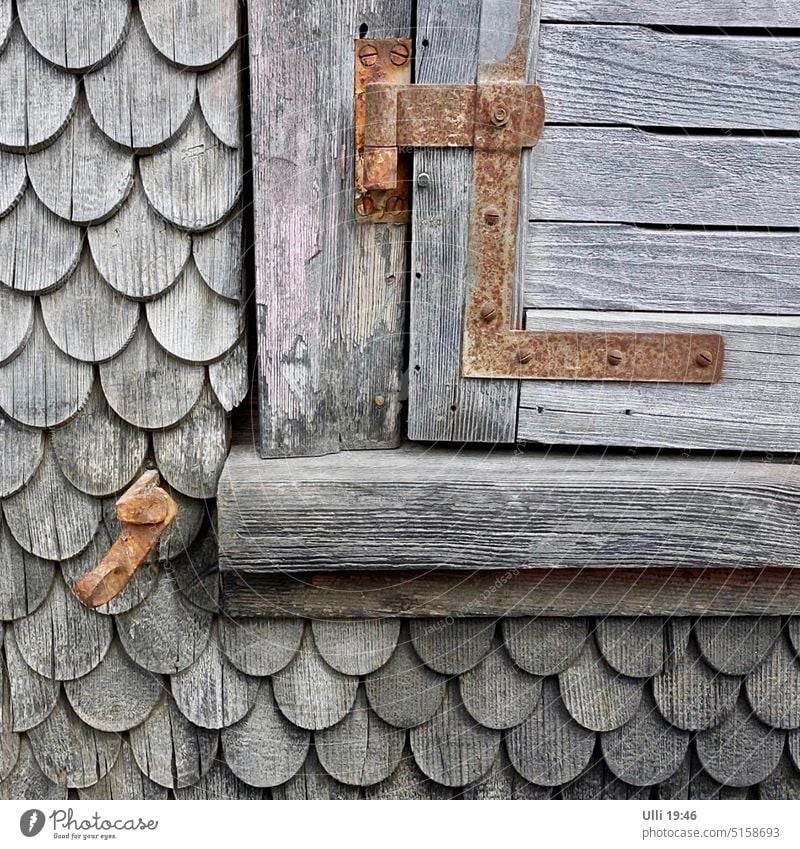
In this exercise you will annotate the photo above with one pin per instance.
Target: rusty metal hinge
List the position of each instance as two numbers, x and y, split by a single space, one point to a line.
498 117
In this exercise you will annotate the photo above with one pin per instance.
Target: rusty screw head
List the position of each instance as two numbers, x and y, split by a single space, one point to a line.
488 312
491 216
394 203
500 116
368 55
704 358
524 356
614 357
400 54
365 205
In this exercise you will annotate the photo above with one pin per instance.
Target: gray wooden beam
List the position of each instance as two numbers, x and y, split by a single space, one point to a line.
557 592
443 406
448 509
329 292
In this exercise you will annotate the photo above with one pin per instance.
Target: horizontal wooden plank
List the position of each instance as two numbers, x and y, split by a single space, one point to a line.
627 175
417 508
634 75
555 592
754 407
619 267
717 13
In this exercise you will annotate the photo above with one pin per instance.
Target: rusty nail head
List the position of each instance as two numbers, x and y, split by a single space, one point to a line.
491 216
368 55
365 205
615 357
488 312
524 356
379 400
704 358
500 116
399 55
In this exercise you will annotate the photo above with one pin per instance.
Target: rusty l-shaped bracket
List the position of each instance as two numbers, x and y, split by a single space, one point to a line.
498 117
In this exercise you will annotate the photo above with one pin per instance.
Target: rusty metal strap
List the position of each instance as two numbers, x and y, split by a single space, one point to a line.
498 117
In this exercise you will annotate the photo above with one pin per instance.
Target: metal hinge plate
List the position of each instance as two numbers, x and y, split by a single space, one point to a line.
498 117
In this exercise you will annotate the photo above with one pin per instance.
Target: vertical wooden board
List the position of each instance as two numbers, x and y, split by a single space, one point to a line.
329 292
443 405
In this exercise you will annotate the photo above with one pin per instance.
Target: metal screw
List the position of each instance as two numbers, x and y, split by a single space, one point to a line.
491 216
399 55
614 357
379 400
394 203
368 55
500 116
488 312
365 205
524 357
704 358
423 180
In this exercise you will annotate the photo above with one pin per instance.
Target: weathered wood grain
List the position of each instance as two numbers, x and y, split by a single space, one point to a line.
191 455
117 694
219 93
124 781
13 180
718 13
218 256
146 386
442 405
50 517
741 750
38 250
81 176
539 593
74 35
197 33
616 75
193 322
139 99
544 646
549 747
356 647
496 692
362 749
16 322
773 688
734 646
691 695
86 318
633 646
25 579
196 181
170 750
596 695
329 292
646 750
21 451
623 174
212 692
69 751
260 646
451 747
32 696
139 253
244 744
621 267
42 386
751 409
36 99
219 783
477 510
